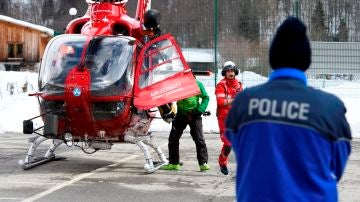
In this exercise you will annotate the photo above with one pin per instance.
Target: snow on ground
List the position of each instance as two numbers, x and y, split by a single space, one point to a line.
16 105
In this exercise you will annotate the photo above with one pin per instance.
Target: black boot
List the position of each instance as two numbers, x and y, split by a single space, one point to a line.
224 170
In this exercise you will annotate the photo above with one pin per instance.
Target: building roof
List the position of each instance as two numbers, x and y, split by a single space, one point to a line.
27 24
200 55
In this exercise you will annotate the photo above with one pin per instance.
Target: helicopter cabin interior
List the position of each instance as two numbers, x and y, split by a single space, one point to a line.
22 44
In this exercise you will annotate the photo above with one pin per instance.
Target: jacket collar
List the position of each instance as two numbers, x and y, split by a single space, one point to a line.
288 72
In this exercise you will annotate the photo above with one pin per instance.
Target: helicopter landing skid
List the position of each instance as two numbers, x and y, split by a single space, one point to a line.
30 161
150 165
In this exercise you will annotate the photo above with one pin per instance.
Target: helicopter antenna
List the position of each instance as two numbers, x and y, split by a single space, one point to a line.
142 7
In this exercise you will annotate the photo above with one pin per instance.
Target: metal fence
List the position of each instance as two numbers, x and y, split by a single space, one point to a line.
245 39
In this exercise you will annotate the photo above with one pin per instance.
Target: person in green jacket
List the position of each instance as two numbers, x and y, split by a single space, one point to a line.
189 111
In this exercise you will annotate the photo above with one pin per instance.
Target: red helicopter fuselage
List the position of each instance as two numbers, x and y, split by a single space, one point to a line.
100 80
113 77
103 19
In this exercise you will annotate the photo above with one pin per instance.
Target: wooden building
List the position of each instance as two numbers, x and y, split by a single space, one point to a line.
22 44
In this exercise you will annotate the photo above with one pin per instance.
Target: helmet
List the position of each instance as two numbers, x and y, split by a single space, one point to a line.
227 66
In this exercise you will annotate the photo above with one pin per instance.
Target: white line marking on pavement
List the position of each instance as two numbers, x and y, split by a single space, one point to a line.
79 177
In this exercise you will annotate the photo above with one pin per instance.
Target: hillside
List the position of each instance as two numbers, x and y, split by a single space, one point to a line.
242 29
193 21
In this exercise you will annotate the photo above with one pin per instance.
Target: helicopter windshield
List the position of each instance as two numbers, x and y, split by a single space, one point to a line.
109 60
61 55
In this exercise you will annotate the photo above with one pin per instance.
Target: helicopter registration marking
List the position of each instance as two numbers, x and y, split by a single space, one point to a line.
166 90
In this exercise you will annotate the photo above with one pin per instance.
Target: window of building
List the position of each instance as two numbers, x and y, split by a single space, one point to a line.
15 50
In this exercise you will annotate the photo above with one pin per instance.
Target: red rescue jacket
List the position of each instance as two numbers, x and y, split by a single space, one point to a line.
226 89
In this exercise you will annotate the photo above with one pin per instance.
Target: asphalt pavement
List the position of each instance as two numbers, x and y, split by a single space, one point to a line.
118 174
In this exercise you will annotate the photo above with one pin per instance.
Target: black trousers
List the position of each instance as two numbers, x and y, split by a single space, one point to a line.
196 131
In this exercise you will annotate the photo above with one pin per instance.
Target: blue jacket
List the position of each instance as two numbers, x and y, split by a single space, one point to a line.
291 141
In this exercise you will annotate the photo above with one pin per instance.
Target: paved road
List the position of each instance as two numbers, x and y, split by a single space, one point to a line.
117 175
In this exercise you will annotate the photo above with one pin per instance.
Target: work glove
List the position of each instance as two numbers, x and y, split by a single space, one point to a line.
167 112
169 117
206 113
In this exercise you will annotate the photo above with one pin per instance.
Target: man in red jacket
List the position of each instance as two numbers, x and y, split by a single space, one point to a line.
225 92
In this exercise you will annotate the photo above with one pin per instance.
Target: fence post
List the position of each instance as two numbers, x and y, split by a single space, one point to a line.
215 37
296 8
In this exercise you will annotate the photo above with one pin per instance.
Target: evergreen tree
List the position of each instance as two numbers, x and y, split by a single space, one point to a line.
249 26
318 27
48 12
4 7
343 31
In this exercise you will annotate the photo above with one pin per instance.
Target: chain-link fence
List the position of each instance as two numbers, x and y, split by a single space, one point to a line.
214 31
241 31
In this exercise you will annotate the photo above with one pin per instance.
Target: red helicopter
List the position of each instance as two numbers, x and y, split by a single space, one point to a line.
102 81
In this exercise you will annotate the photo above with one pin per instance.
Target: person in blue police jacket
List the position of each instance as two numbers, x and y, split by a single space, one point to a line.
291 141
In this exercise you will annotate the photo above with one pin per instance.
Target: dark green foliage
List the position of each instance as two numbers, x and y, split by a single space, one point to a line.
343 31
4 7
248 22
48 11
318 28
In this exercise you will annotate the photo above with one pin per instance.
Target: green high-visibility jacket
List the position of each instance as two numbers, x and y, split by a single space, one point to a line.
197 102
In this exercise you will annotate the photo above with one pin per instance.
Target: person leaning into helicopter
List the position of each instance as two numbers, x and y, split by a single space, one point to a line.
189 111
225 92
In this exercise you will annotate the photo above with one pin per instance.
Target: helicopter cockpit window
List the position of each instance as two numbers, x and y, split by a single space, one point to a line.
161 61
110 61
62 54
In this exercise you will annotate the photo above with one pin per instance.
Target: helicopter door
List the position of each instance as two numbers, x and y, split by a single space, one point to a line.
162 74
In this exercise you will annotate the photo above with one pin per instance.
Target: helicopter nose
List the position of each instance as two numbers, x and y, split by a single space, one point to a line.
77 98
